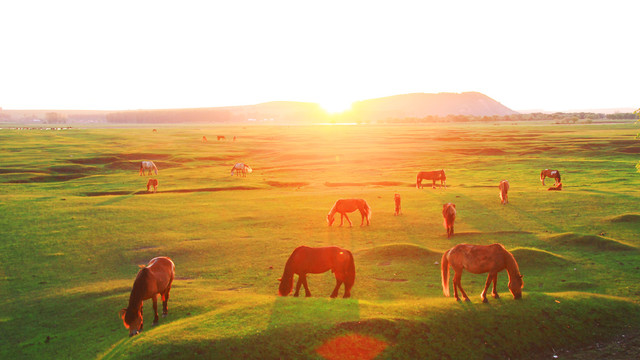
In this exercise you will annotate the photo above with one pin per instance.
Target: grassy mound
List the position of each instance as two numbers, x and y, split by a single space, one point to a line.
589 241
397 252
532 257
624 218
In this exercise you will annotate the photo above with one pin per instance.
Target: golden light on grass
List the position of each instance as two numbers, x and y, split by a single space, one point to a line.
352 347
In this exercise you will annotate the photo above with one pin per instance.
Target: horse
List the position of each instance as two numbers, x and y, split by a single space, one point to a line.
148 165
154 183
504 189
431 175
308 260
479 259
153 279
557 186
555 174
204 139
221 137
241 168
344 206
396 199
449 214
154 130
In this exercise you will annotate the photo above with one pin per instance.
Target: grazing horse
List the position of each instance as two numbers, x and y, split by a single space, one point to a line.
153 279
241 168
154 183
148 165
154 130
504 189
479 259
344 206
431 175
396 199
204 139
221 137
449 214
307 260
555 174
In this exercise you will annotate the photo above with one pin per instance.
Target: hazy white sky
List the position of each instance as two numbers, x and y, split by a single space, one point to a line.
548 55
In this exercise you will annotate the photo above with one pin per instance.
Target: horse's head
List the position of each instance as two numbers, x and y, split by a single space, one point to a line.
515 286
249 170
132 320
330 219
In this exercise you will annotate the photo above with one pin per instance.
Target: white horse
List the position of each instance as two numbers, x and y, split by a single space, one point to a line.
148 165
241 168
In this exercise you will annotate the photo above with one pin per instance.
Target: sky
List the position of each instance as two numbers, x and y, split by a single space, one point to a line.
544 55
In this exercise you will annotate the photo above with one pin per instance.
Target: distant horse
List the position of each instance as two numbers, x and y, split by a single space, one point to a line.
555 174
396 199
449 214
153 279
504 189
479 259
154 183
204 139
431 175
148 165
557 186
344 206
234 138
307 260
154 130
221 137
241 168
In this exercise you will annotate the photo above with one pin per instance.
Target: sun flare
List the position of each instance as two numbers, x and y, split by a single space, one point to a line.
336 106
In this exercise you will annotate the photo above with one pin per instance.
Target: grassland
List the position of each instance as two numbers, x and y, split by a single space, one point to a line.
76 223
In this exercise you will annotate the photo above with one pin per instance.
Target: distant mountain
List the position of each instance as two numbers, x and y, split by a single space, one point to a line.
422 104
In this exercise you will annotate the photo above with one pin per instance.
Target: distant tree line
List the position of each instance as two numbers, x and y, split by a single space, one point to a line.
559 117
170 116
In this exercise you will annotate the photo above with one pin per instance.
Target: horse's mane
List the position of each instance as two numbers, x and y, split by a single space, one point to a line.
512 264
334 208
137 292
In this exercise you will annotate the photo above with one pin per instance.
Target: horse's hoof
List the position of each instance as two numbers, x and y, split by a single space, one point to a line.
485 300
164 315
458 299
467 300
496 296
295 295
154 323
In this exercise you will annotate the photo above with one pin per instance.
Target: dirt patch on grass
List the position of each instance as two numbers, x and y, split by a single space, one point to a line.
589 241
144 192
101 160
624 218
17 171
398 252
631 150
72 169
531 257
48 179
286 184
352 346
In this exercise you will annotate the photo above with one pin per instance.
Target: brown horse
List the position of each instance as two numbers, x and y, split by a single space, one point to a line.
221 137
307 260
396 199
153 279
504 189
479 259
204 139
152 183
554 174
449 214
431 175
344 206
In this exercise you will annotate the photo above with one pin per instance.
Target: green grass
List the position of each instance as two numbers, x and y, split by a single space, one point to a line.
76 223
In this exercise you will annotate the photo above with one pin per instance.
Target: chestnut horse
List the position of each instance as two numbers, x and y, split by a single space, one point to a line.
479 259
307 260
152 183
431 175
554 174
449 214
148 165
396 199
344 206
153 279
504 189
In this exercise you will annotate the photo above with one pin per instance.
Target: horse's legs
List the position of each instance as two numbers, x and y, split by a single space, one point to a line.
337 288
350 223
155 310
298 284
165 302
495 292
457 284
362 215
307 293
483 296
433 185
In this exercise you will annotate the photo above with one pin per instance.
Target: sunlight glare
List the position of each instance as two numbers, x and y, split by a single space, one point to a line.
336 106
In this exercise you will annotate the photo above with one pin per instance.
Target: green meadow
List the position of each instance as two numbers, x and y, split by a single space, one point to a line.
77 222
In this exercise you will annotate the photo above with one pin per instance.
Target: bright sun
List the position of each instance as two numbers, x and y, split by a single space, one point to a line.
336 106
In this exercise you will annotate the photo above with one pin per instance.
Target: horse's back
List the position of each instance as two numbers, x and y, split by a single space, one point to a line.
317 260
349 205
163 271
478 259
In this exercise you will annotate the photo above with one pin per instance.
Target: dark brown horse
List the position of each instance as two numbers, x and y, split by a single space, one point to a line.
449 214
504 190
153 279
554 174
307 260
479 259
396 199
344 206
431 175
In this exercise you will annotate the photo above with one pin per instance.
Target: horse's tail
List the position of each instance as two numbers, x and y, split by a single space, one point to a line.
350 272
444 267
418 181
286 282
367 211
